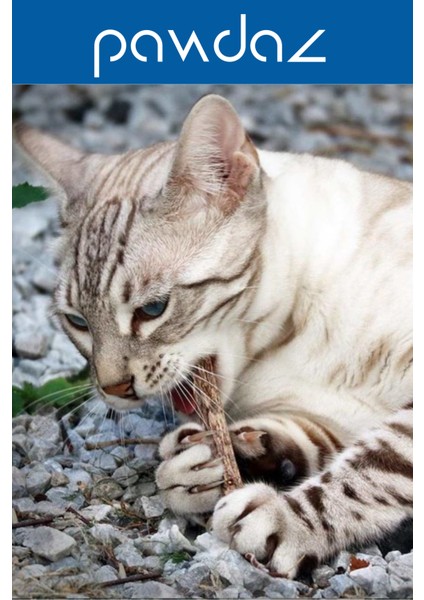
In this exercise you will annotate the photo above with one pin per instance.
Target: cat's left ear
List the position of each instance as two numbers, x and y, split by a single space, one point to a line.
214 154
70 170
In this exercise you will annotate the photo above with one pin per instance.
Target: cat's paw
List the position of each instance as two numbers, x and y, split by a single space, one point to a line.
191 476
265 453
252 520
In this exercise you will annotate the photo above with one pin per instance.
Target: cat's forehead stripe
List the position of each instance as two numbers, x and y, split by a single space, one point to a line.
135 173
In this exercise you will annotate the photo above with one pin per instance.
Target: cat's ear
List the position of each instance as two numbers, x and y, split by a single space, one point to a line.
214 154
70 170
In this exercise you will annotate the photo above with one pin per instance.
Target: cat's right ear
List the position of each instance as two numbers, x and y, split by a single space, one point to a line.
67 168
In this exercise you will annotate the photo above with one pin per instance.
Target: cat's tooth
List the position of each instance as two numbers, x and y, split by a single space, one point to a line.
197 489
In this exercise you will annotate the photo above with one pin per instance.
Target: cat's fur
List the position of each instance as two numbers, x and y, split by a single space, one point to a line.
295 272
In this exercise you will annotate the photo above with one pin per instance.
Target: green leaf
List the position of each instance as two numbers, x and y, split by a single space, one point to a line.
24 194
57 392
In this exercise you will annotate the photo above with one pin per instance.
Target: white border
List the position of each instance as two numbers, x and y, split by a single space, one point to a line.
6 289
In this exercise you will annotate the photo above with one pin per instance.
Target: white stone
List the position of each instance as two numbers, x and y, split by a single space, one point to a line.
37 479
49 543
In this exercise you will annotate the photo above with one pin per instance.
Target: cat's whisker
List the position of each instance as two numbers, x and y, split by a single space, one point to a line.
194 367
190 402
161 394
65 419
57 395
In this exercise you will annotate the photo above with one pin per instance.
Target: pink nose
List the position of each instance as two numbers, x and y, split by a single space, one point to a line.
123 389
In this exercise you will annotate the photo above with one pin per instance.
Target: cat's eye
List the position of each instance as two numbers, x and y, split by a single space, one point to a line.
77 322
151 310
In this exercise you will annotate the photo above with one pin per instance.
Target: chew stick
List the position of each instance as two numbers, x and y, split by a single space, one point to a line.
210 406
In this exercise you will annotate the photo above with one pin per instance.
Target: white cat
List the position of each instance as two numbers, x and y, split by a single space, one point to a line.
295 273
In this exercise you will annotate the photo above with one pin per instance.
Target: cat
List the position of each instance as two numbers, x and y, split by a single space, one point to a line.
294 272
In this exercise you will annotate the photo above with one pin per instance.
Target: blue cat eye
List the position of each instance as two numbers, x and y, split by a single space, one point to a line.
151 310
77 322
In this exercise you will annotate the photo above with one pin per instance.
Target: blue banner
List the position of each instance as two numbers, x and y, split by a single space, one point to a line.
137 41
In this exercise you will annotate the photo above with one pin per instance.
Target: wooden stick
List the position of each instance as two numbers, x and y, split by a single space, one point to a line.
121 442
131 578
209 404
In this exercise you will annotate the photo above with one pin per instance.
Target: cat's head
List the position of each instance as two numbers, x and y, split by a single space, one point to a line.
159 255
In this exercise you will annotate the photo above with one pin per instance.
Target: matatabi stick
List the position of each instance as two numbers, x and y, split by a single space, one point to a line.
211 408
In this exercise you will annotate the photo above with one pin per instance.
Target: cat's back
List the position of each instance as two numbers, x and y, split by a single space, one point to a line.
350 233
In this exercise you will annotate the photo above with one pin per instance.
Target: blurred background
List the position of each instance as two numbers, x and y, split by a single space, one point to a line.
369 125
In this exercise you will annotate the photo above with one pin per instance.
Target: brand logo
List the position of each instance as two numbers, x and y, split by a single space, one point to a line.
194 44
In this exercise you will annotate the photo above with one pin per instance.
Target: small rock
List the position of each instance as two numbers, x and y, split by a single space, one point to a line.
125 476
58 479
105 573
47 508
146 452
135 492
393 555
31 571
152 506
18 483
17 459
78 479
374 580
45 428
341 584
64 498
141 465
107 488
233 591
104 461
96 512
122 453
49 543
128 554
322 574
153 563
66 563
37 479
229 568
21 442
20 553
149 589
106 533
42 449
281 588
195 576
23 506
31 344
86 427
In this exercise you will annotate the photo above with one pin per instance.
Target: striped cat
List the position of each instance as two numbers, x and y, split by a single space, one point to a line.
294 272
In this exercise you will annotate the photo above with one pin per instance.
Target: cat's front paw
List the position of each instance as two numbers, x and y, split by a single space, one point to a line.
253 521
190 477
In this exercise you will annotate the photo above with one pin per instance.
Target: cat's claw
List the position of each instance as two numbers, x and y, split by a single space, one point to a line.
190 477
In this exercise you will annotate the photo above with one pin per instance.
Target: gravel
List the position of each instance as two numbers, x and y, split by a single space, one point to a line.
108 521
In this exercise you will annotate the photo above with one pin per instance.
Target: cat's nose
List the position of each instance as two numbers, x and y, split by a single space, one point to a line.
123 390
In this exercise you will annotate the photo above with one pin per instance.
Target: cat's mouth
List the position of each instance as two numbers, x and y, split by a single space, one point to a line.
183 396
